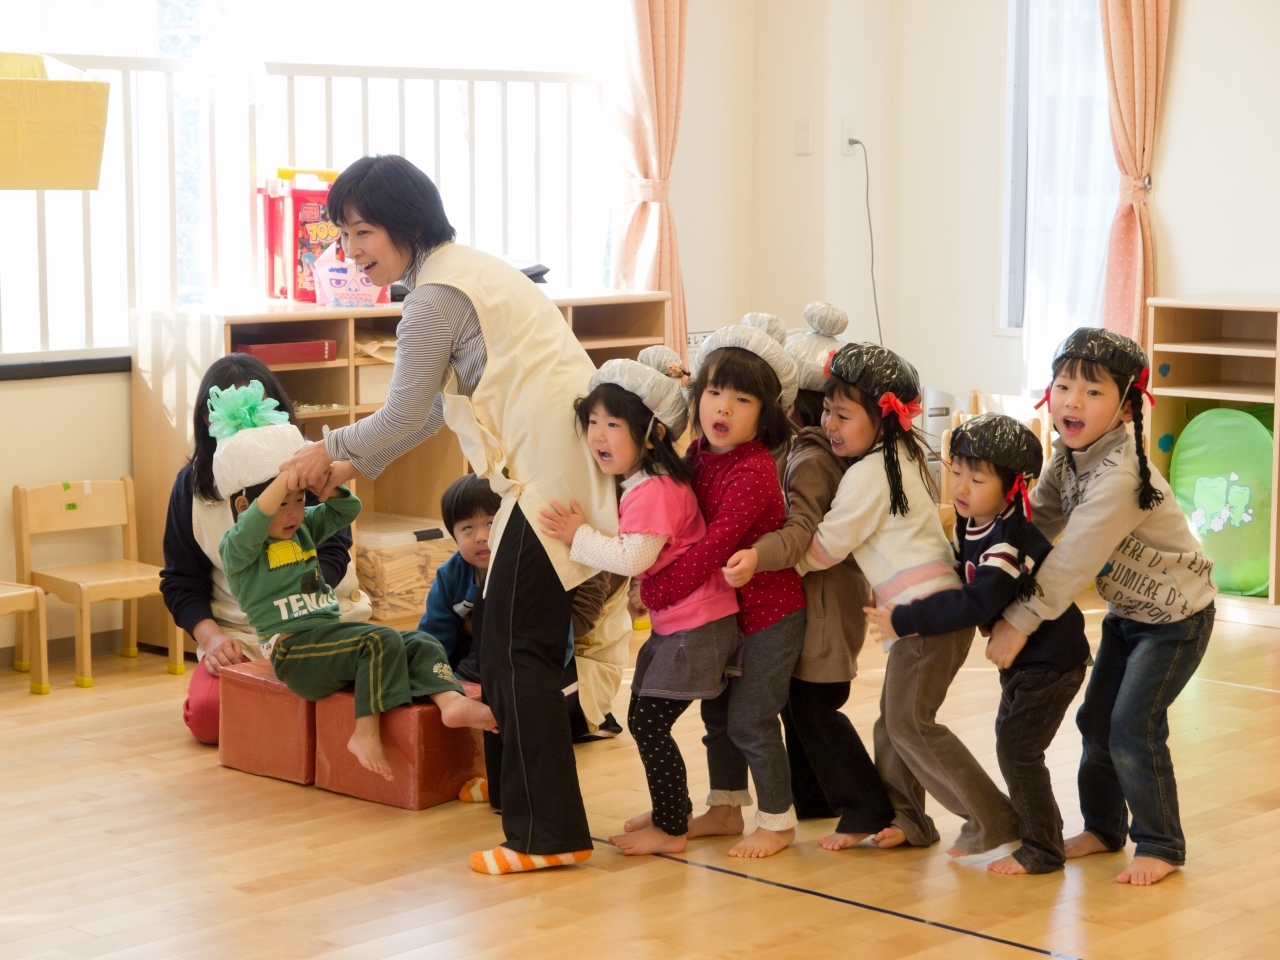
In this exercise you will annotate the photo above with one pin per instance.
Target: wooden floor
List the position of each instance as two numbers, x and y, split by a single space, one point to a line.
121 837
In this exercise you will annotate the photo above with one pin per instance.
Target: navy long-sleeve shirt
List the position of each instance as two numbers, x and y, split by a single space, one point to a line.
186 580
988 561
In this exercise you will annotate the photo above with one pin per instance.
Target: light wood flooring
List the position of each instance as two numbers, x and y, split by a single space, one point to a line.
121 837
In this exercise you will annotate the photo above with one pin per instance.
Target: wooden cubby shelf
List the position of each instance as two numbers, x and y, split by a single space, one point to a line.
1215 350
173 348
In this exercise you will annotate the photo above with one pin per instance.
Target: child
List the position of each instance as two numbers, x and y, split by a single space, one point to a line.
884 515
991 458
467 508
269 556
1121 528
831 773
631 416
743 384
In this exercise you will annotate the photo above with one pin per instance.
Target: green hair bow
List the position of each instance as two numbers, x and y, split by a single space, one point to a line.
239 408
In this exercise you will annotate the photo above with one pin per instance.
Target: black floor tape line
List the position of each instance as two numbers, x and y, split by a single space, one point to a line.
860 905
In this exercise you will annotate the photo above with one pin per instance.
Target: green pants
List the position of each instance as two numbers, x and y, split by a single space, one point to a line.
389 668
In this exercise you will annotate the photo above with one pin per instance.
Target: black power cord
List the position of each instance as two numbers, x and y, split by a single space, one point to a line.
866 166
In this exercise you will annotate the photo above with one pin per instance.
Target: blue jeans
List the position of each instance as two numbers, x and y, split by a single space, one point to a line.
1139 671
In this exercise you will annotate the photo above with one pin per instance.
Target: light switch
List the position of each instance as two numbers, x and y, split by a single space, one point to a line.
804 137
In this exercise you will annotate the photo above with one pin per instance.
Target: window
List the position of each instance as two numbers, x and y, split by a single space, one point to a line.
1062 177
502 102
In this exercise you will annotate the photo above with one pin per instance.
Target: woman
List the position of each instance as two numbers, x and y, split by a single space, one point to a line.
482 349
194 587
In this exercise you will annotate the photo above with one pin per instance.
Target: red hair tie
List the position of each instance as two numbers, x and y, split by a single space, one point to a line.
1044 401
1141 384
1020 487
826 367
906 411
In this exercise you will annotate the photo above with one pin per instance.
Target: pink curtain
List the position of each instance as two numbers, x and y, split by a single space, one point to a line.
645 254
1134 36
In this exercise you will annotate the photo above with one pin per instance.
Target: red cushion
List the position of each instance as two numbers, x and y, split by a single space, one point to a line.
264 728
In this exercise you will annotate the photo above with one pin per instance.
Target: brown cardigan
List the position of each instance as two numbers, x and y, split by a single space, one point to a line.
836 625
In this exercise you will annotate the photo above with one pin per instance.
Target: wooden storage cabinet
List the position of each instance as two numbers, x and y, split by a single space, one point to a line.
1216 350
172 349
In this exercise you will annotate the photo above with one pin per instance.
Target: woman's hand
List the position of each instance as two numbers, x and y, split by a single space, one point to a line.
742 566
219 649
340 472
312 465
880 620
635 606
1005 644
560 523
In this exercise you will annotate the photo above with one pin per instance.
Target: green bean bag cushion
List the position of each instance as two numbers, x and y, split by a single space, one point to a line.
1221 475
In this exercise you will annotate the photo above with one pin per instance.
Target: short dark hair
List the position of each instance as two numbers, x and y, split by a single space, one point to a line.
737 369
467 497
625 405
1006 475
233 370
808 407
250 493
391 193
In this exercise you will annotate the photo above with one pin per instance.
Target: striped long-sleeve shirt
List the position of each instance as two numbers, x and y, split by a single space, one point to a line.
438 328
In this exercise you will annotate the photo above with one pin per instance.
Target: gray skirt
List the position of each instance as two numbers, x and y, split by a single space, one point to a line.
690 664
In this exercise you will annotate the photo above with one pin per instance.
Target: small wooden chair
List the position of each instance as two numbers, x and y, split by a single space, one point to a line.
28 602
60 507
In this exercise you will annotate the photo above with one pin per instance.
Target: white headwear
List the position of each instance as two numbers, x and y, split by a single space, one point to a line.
762 345
254 456
811 348
661 358
769 323
657 391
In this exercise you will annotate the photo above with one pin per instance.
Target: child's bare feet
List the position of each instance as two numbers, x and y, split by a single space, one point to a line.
639 822
1083 844
717 822
366 745
762 843
649 839
1009 866
459 711
1144 871
955 853
889 837
839 841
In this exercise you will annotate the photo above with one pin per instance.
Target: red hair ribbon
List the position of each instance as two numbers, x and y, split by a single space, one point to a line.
906 411
1141 384
1020 487
1044 401
826 367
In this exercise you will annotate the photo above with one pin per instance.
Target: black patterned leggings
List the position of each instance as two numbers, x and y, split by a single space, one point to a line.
650 720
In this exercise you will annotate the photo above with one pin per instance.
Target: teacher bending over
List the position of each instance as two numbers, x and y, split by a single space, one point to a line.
482 349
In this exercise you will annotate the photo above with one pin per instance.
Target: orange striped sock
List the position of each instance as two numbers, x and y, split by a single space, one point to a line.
502 860
475 790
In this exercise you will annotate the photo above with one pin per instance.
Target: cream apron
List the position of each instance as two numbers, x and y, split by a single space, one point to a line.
601 657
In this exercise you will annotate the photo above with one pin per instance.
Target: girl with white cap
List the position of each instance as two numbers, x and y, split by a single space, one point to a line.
743 384
631 417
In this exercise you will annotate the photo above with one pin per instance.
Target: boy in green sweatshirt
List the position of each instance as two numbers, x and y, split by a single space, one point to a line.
269 557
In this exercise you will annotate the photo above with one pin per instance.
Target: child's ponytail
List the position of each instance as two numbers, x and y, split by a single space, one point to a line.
1148 496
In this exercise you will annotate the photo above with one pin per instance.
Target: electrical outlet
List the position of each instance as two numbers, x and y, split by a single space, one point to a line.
804 137
848 138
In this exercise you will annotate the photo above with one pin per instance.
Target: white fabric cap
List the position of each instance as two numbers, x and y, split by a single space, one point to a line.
661 358
254 456
769 323
762 345
659 392
811 348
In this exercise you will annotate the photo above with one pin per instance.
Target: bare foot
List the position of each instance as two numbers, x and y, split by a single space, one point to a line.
717 822
639 822
955 853
839 841
366 745
649 840
762 843
459 711
1006 865
889 837
1144 871
1083 844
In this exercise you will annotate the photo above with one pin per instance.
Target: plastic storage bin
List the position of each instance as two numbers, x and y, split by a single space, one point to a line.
396 561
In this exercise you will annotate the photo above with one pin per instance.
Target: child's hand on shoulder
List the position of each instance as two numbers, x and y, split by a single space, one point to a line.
1005 644
880 620
742 567
561 523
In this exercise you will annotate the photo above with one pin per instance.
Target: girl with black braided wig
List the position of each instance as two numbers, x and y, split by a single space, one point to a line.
1119 527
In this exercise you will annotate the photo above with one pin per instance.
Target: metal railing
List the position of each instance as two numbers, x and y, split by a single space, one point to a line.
523 160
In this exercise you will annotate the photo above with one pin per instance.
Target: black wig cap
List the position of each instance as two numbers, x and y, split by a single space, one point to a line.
1111 350
1001 440
876 370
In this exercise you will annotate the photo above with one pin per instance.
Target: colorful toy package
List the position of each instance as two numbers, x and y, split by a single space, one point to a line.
340 282
297 228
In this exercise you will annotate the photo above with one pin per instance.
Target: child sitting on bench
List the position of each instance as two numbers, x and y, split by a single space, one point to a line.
269 556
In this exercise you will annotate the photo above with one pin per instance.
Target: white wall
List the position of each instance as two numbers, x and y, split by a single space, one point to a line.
63 428
1215 200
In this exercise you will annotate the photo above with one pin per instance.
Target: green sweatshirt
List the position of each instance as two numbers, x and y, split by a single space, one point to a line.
278 583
